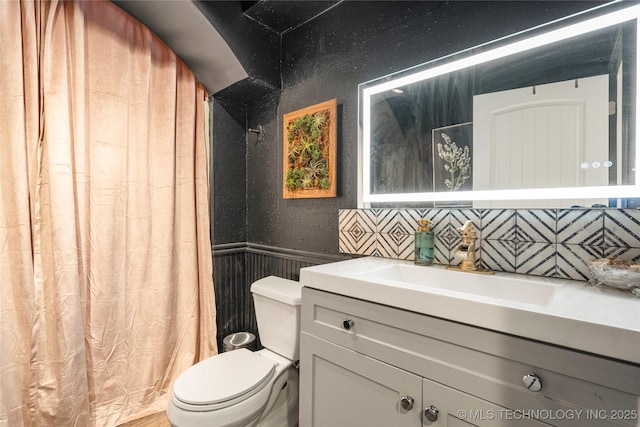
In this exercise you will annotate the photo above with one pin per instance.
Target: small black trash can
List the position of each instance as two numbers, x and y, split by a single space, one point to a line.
239 340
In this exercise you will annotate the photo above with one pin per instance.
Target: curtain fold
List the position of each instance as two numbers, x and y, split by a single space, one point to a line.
19 127
104 207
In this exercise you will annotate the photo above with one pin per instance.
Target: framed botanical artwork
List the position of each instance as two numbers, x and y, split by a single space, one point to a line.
309 148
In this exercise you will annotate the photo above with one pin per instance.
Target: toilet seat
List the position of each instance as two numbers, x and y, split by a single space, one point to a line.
224 380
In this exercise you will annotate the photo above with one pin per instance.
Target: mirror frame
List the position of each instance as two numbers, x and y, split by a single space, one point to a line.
464 59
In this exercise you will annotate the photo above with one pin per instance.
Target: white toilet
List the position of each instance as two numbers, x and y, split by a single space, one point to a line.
245 388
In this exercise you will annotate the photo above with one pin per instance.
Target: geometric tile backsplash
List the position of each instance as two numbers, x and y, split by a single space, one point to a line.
542 242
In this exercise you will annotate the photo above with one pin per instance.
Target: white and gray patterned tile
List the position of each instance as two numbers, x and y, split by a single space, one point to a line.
457 218
378 253
356 242
572 260
398 221
346 244
536 225
447 241
346 217
581 235
374 211
386 245
535 258
357 232
368 219
622 228
625 254
364 218
498 224
580 226
406 248
396 229
439 218
442 255
498 255
385 220
396 241
408 218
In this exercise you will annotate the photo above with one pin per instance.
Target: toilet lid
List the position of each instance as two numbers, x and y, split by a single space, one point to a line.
224 377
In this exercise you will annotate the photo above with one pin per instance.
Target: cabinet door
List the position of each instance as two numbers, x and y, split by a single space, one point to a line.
457 409
342 388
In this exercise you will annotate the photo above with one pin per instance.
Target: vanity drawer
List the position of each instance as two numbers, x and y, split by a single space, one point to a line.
486 364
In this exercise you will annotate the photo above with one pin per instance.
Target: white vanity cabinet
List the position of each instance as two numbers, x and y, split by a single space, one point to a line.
364 364
350 389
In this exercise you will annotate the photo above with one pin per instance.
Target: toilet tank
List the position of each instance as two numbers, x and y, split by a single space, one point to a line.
277 304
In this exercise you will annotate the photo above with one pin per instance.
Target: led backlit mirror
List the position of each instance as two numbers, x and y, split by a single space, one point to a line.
547 120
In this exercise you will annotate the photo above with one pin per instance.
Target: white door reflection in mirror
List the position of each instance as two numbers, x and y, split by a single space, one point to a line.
542 136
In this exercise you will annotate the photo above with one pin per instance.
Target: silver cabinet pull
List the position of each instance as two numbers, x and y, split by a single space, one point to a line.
348 324
532 382
407 403
431 413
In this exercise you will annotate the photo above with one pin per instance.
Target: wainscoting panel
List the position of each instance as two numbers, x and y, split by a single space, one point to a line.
232 298
236 266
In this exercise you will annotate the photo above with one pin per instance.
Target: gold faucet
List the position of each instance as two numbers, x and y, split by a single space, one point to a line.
466 251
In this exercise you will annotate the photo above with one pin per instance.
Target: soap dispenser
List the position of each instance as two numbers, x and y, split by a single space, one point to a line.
424 241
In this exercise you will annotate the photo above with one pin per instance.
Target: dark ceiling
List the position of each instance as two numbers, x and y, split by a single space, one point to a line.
283 16
253 31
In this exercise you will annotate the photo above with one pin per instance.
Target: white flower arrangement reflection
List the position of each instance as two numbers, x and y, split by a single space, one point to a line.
457 162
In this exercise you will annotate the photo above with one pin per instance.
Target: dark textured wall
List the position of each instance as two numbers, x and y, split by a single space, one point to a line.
229 152
258 233
327 58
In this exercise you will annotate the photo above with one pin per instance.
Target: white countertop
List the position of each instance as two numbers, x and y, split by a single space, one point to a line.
598 320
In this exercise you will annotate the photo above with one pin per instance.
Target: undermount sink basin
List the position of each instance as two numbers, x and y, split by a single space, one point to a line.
530 291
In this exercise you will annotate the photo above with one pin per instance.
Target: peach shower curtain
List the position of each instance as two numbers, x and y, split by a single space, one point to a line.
106 290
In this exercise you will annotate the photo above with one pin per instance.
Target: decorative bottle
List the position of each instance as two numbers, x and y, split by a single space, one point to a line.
424 241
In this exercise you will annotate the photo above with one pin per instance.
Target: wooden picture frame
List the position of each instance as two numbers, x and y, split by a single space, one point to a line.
309 152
